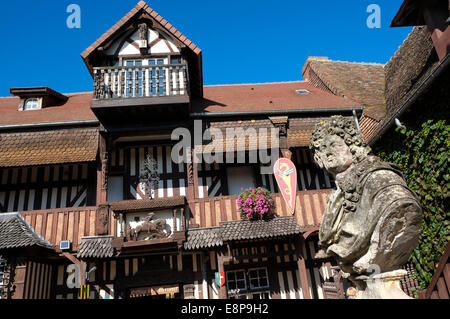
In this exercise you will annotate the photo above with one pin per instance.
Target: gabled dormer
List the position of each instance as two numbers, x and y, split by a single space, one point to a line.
143 63
36 98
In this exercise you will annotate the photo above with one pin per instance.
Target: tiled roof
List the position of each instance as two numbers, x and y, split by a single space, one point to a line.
157 203
76 108
15 232
265 97
299 133
96 247
245 230
361 82
369 127
406 71
203 238
48 147
300 130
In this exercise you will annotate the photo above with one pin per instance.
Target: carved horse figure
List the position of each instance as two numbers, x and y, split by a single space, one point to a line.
154 228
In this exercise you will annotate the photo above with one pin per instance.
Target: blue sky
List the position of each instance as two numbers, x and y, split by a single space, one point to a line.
243 41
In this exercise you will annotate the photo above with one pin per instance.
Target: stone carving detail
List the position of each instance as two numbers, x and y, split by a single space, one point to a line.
99 87
143 32
373 219
102 220
104 160
154 229
149 177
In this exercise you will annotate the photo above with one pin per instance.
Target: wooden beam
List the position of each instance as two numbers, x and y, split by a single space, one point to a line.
81 264
302 268
101 172
221 259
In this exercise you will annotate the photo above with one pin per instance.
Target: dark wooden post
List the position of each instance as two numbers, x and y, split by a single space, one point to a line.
220 266
299 243
102 179
190 175
221 259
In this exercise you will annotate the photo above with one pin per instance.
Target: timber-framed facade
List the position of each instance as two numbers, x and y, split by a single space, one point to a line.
95 171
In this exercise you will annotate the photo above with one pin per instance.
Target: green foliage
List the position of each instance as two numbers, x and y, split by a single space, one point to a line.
423 154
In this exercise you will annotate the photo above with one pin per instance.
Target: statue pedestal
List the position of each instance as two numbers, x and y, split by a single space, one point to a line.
381 286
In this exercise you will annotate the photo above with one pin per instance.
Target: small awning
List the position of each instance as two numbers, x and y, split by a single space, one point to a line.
16 233
204 238
48 147
96 247
145 204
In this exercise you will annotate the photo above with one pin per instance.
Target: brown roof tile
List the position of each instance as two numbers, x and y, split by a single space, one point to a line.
202 238
405 72
96 247
267 96
361 82
245 230
77 108
48 147
15 232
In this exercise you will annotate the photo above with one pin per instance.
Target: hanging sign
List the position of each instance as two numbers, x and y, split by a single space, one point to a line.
286 176
220 279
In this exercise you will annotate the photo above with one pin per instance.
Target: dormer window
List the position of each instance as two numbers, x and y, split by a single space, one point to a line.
36 98
31 104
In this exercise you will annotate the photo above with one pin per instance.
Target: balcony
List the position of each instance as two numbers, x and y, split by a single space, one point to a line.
310 206
141 87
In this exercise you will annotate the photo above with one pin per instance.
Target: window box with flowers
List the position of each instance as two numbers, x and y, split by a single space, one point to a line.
255 204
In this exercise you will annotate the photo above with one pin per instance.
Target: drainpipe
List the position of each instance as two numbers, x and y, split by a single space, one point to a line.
356 120
50 124
274 112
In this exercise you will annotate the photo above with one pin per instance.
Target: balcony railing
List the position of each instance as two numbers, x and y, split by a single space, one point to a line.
210 212
140 81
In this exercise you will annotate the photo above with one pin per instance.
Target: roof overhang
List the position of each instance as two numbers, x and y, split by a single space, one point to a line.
41 91
411 13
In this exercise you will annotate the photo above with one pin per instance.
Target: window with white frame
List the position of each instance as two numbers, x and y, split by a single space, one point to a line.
31 104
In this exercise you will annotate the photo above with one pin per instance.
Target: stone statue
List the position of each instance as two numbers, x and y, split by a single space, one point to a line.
153 228
373 220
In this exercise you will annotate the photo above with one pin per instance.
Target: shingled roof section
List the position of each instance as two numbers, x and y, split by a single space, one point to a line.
96 247
48 147
76 108
157 203
246 230
266 97
202 238
362 82
15 232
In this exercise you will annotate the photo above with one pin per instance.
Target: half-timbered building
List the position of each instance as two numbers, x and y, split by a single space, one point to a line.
89 179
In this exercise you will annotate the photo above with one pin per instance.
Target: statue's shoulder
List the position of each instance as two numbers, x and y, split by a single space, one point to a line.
372 165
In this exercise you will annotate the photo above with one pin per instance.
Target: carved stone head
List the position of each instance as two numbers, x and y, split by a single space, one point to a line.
336 144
